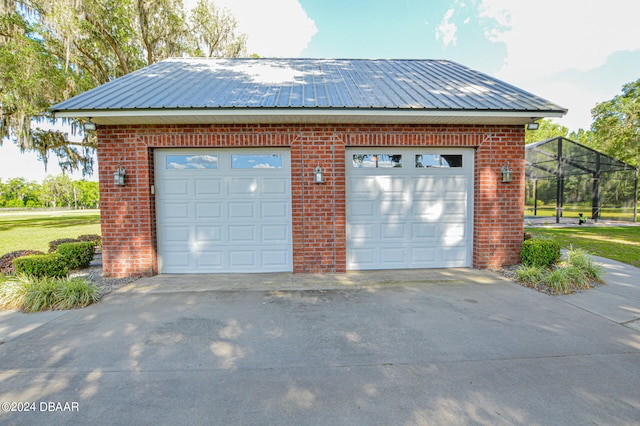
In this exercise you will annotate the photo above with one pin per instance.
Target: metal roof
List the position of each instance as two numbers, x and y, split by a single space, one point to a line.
201 89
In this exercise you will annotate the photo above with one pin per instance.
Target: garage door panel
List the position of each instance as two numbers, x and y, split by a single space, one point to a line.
176 233
390 210
425 186
210 259
392 256
429 211
360 232
241 210
423 231
221 218
423 256
277 210
242 258
396 198
453 209
178 187
204 187
453 255
453 234
406 217
274 233
393 231
275 186
208 210
453 218
208 234
275 258
243 186
362 256
242 233
363 209
175 211
363 187
454 183
390 185
176 259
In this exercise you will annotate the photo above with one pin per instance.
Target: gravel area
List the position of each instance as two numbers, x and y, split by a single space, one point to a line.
94 275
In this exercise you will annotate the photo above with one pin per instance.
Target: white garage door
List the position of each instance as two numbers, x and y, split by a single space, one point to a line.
223 210
409 208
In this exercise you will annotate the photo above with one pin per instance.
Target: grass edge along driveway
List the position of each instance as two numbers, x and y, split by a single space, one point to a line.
32 230
621 243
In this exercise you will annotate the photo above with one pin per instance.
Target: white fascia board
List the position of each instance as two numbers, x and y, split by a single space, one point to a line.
151 116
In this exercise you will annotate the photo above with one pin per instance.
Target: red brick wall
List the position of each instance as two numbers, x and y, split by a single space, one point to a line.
318 211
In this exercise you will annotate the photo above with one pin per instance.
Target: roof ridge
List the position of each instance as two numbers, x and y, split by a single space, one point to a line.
178 58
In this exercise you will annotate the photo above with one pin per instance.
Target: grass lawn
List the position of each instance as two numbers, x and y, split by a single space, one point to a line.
34 230
621 243
573 211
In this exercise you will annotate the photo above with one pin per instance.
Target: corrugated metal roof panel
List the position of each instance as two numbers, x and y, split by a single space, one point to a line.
307 83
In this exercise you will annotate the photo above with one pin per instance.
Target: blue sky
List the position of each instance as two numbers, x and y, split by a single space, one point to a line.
573 52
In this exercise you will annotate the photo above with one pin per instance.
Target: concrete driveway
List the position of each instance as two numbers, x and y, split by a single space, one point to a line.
405 347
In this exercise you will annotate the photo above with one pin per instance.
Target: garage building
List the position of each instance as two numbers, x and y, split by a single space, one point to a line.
308 165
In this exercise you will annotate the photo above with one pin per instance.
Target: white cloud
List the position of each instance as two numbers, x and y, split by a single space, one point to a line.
553 36
447 30
578 99
275 28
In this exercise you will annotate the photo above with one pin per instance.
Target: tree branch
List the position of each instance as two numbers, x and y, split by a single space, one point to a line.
114 46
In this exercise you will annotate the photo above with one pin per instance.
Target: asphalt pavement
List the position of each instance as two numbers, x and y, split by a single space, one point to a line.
447 346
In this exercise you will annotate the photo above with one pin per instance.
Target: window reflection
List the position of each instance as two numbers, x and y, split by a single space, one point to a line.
378 161
437 160
191 162
250 161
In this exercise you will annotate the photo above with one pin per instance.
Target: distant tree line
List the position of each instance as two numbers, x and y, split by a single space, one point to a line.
53 192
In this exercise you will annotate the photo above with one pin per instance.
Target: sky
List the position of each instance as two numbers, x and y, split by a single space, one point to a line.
574 53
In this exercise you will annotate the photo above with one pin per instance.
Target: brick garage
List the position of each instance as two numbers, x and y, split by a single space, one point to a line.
318 212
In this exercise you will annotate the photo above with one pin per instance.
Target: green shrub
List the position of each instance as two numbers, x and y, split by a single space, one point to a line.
75 293
577 276
581 259
11 293
38 294
6 261
77 255
95 239
559 280
540 252
31 294
530 274
42 265
53 245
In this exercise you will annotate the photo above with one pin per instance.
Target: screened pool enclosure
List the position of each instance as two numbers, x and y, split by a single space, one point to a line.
567 179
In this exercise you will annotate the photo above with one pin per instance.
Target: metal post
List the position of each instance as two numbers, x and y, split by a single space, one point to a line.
595 195
535 197
559 184
635 200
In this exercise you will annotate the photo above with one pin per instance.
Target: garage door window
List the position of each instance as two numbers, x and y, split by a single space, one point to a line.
437 160
191 162
377 161
249 161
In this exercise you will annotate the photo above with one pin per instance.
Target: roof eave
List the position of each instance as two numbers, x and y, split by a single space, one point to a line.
306 115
